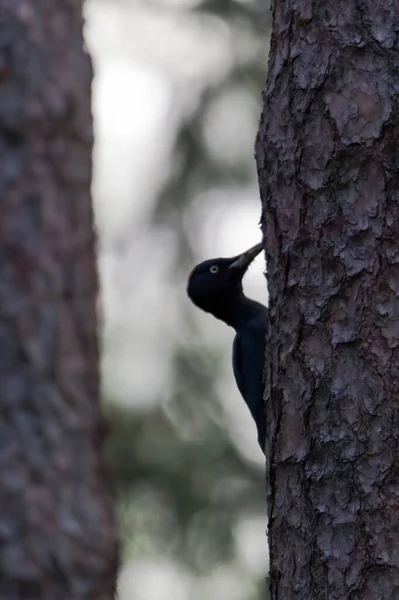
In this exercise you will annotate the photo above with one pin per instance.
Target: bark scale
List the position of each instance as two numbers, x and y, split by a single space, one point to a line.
57 537
328 164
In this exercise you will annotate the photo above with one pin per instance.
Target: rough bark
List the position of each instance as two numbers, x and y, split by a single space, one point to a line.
327 155
57 536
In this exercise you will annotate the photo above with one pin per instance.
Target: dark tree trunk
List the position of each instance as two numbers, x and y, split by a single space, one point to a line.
57 538
327 156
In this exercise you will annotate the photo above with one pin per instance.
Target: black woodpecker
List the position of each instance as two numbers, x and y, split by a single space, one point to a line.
215 286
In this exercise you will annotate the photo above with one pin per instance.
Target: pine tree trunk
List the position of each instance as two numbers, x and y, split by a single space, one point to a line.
57 537
327 155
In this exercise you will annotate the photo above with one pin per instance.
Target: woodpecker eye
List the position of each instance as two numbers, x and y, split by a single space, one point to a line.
214 269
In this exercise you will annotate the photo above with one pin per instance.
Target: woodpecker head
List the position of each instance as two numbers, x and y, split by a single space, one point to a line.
214 285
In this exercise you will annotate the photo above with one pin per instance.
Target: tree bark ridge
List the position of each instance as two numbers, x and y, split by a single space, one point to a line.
328 171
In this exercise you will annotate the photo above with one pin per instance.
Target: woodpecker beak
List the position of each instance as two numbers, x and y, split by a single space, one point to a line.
242 261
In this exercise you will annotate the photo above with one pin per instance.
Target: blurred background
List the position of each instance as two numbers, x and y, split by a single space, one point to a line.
176 103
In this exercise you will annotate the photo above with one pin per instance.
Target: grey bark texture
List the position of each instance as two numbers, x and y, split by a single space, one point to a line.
328 164
57 536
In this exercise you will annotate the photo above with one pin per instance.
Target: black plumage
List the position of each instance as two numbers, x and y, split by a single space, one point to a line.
215 286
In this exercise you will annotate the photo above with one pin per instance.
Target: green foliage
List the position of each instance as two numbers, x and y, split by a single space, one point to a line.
176 495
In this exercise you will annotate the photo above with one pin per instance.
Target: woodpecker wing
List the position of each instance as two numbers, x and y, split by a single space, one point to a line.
248 365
